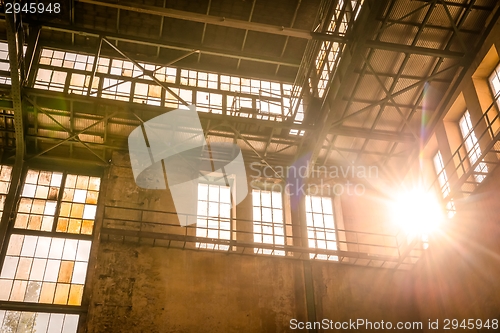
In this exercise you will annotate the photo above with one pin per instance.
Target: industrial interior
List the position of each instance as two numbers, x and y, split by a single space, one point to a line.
368 135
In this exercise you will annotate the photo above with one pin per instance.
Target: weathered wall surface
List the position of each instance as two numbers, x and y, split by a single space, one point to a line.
141 288
459 277
347 292
147 289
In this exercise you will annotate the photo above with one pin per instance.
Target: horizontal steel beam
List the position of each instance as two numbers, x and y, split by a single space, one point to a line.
96 107
368 101
168 45
217 20
373 135
462 5
413 49
402 76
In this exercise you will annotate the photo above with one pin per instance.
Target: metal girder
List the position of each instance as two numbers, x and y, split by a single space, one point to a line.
464 15
441 109
402 76
463 5
246 32
375 44
399 92
262 158
346 65
368 101
154 110
17 74
375 134
288 38
168 44
217 20
390 91
454 26
71 135
146 72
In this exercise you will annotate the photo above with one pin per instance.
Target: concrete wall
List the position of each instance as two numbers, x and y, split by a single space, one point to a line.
154 289
143 288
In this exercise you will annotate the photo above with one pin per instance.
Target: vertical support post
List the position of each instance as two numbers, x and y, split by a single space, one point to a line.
15 46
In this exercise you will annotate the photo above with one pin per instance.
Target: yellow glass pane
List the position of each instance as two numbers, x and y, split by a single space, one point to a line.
18 291
21 221
74 226
38 206
65 271
44 178
42 192
70 181
82 182
68 194
94 183
31 177
87 227
5 286
35 222
65 209
62 291
15 245
75 294
25 205
23 268
92 197
77 210
62 224
47 293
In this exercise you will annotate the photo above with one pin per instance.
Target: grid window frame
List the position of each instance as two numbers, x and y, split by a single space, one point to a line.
471 145
24 321
443 182
46 268
214 215
494 83
115 78
321 227
268 221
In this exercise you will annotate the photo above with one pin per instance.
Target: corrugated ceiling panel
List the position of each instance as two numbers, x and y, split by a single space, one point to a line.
419 65
369 88
403 8
364 119
389 119
349 142
81 123
52 134
399 33
45 120
433 38
386 61
439 16
376 146
121 130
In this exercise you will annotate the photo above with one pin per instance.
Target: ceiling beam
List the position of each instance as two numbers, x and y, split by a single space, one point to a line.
81 31
373 135
216 20
410 49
